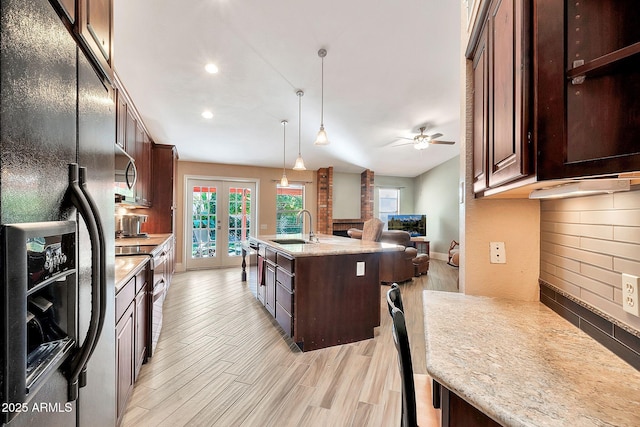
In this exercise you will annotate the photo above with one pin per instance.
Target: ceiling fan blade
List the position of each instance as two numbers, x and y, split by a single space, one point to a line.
397 142
435 135
402 144
404 137
442 142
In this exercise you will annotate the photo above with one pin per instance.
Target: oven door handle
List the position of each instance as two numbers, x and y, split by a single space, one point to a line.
87 209
159 290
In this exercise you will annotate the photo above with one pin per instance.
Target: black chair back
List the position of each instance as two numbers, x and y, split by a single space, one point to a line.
401 340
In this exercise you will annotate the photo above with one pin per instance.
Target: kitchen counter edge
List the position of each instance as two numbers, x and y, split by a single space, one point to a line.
522 364
327 245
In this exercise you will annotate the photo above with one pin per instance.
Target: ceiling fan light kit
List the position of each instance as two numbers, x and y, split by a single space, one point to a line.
422 141
284 182
322 139
299 165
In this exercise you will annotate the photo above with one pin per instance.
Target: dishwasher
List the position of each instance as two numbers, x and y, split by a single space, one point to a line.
159 292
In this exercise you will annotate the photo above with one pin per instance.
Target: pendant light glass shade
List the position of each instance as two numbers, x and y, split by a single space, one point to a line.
284 182
322 139
299 165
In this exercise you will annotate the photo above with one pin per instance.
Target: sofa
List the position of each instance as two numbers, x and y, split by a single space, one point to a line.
399 266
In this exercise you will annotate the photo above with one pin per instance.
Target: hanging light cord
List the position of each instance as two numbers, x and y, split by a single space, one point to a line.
299 119
284 144
322 96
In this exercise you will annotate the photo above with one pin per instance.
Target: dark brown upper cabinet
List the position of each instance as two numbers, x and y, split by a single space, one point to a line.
68 9
480 113
95 29
121 120
587 61
500 50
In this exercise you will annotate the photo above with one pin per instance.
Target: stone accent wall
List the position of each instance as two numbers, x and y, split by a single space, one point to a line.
366 194
325 200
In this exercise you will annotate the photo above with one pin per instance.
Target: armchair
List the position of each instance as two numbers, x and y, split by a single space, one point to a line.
398 266
401 266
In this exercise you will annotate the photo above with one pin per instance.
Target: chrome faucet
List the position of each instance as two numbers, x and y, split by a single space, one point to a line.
312 236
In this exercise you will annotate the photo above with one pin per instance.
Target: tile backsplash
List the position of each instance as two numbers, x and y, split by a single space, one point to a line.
587 243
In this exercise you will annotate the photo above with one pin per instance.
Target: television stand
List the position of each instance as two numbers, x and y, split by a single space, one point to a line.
421 244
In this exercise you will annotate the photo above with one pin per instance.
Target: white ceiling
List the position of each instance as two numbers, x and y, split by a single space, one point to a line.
391 67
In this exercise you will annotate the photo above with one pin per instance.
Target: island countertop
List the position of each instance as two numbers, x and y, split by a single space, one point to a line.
523 365
326 245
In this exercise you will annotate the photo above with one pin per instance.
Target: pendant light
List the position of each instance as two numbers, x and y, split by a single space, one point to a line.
322 139
284 182
299 165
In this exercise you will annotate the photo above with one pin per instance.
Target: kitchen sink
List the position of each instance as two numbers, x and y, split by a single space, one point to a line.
291 241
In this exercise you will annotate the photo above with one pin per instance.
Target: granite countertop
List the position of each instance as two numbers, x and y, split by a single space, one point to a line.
150 240
523 365
127 267
327 245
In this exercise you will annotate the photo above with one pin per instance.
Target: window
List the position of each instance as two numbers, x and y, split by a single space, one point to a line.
289 201
388 203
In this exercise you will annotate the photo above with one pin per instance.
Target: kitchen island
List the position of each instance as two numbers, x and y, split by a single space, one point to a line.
322 293
520 364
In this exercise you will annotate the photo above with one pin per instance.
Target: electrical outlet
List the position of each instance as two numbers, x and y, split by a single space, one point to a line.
630 301
498 253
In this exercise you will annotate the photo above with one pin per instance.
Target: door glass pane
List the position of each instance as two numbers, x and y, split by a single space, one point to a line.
239 224
204 222
289 201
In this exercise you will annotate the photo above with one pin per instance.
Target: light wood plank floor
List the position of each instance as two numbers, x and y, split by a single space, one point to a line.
223 361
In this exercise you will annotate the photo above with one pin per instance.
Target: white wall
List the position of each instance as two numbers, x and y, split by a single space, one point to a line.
346 195
437 196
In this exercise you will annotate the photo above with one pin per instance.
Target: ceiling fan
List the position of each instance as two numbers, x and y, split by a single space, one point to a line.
422 141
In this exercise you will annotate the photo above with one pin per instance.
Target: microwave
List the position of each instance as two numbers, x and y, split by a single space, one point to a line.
125 175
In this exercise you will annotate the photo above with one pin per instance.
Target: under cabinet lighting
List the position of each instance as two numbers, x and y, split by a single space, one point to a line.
582 188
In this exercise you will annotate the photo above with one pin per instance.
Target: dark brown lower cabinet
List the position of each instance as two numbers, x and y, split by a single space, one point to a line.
320 301
270 288
457 412
142 326
125 369
132 332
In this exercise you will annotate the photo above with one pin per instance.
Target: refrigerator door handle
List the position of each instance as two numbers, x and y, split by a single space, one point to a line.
86 209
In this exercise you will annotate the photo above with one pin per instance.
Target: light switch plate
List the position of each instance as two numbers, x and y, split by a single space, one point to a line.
498 253
360 268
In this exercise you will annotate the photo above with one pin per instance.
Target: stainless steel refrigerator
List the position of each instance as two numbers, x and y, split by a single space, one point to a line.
55 111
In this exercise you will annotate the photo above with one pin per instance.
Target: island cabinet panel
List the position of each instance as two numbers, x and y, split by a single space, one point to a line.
284 294
320 300
270 287
333 305
260 267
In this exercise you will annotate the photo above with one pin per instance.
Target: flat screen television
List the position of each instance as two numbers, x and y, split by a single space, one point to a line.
415 224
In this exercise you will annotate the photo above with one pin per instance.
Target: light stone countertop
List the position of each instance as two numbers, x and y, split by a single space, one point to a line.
127 267
524 365
327 245
150 240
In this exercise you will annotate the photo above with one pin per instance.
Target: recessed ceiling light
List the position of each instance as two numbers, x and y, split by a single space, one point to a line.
207 114
211 68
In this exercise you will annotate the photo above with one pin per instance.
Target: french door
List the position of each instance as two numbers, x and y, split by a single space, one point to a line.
222 216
